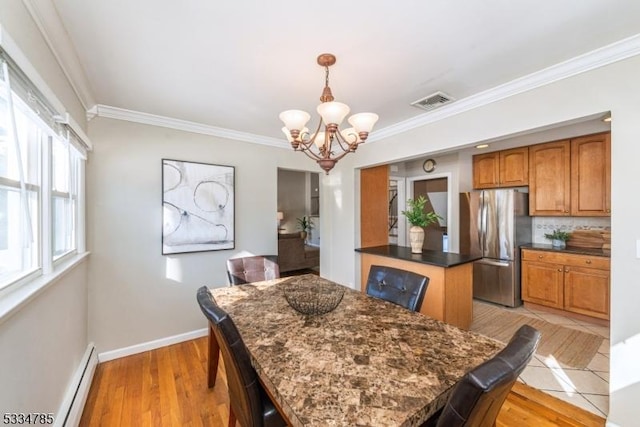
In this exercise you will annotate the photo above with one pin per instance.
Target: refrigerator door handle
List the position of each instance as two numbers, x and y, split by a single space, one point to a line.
494 263
482 224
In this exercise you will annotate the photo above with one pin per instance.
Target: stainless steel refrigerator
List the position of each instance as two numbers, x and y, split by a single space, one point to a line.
493 224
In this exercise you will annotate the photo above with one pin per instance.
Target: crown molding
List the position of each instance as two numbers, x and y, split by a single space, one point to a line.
107 111
606 55
48 21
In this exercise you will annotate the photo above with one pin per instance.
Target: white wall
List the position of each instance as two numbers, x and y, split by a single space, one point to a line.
614 88
42 343
42 346
137 295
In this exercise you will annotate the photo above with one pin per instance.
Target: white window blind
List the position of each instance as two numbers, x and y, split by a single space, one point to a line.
41 173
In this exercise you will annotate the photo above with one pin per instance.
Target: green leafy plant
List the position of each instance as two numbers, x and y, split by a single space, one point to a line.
416 214
304 223
558 235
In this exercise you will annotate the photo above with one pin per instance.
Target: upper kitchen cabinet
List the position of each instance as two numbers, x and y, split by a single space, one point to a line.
591 175
506 168
550 179
571 177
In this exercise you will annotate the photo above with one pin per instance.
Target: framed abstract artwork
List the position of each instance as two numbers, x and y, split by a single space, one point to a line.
197 207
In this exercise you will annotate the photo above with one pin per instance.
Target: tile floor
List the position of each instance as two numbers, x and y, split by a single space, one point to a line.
587 388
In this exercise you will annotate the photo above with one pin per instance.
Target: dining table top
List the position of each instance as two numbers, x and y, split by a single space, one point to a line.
368 362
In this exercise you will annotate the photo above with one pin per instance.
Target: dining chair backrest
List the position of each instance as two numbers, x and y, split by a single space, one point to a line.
477 398
404 288
252 269
248 401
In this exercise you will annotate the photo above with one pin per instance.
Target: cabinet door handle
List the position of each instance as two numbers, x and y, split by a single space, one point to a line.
567 270
588 261
560 270
566 211
608 210
540 257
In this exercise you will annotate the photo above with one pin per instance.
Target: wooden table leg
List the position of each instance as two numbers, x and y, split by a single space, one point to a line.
214 355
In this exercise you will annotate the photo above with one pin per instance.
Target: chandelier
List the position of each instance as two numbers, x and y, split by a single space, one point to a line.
328 144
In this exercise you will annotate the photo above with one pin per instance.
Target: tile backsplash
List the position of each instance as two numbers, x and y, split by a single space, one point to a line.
546 224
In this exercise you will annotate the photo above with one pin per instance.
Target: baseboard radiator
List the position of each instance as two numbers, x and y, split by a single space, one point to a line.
71 408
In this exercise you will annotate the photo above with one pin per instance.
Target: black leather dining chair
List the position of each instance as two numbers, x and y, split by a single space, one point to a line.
477 398
252 269
404 288
248 401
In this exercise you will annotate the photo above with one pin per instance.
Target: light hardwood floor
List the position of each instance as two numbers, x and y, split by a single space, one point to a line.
168 387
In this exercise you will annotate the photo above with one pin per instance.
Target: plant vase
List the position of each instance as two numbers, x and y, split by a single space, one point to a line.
557 243
303 235
416 238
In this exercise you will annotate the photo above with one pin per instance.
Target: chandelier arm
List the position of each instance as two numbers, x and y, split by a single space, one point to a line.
311 154
350 146
340 156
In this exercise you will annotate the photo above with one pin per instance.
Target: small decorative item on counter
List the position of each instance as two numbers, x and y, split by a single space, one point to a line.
558 238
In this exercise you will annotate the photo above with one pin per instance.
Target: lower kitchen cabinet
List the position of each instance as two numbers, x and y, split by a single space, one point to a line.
575 283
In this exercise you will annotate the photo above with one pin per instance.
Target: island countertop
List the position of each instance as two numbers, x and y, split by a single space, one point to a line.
437 258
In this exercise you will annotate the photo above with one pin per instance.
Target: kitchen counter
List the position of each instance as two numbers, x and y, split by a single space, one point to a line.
449 294
568 250
437 258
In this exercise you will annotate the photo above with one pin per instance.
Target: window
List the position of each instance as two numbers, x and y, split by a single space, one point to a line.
40 174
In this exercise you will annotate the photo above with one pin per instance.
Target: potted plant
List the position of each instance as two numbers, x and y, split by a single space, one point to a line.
305 225
558 238
418 219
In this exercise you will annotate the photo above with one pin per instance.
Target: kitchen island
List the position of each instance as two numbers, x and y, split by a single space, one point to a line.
449 294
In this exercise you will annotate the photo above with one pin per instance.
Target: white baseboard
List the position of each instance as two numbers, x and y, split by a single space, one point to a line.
151 345
75 397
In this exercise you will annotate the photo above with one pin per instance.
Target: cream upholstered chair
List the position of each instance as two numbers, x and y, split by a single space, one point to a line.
252 269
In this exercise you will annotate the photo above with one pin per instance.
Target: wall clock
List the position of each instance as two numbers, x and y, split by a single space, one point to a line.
429 165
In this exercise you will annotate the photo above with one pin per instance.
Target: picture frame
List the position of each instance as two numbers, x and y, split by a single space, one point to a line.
198 207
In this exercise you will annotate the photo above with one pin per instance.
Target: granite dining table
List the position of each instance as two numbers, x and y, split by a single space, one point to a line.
367 363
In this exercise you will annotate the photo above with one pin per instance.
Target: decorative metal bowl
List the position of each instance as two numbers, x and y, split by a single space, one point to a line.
312 297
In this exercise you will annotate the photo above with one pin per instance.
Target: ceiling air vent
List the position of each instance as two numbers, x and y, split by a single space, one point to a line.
433 101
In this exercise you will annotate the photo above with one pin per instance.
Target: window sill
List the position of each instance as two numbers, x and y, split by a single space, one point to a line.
12 300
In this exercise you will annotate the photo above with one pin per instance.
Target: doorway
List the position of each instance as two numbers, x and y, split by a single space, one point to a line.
436 191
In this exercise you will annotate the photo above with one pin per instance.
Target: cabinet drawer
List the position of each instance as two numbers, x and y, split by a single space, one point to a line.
598 262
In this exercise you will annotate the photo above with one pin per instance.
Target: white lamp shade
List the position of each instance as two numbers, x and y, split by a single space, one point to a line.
333 112
294 119
350 135
319 139
287 133
363 122
304 131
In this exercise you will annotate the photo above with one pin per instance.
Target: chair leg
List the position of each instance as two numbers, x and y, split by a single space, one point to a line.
232 417
214 356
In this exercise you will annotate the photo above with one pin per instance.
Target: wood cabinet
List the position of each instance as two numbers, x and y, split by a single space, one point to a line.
571 177
550 179
575 283
374 206
591 175
506 168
